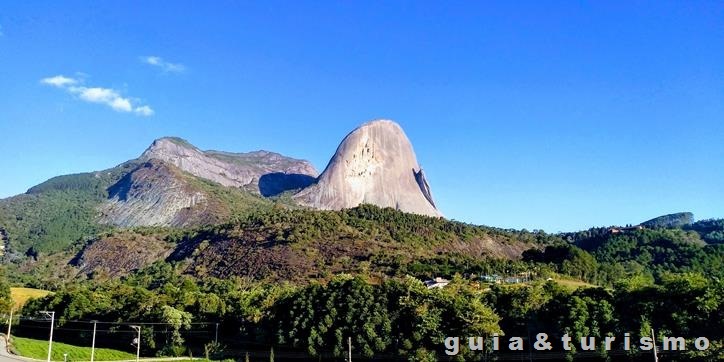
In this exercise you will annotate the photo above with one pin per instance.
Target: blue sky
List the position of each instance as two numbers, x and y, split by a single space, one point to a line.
554 115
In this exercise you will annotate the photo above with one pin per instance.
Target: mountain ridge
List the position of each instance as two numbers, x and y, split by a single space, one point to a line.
174 183
243 170
68 208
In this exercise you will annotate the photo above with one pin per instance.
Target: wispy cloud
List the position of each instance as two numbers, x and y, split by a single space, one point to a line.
144 111
165 66
59 81
107 96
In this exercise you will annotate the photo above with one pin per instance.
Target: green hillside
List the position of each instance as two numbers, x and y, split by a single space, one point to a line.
303 244
48 221
711 230
58 212
280 243
63 210
303 280
670 221
651 251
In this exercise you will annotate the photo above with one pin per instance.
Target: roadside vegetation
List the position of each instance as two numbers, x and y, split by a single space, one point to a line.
38 349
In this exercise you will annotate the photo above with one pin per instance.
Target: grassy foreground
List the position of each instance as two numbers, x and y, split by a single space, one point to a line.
21 296
38 349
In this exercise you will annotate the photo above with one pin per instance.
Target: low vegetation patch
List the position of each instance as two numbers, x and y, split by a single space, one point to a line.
38 349
20 296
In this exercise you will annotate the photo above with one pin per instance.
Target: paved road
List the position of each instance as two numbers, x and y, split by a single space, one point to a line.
6 356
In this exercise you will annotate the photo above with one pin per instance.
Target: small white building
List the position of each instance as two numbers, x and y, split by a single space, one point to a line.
436 283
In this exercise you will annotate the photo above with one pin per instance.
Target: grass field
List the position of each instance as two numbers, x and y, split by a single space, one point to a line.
563 281
23 295
38 349
573 283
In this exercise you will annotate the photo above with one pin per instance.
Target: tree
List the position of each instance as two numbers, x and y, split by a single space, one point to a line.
322 317
6 301
177 320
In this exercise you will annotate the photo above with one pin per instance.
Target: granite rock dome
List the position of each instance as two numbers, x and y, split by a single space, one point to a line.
375 164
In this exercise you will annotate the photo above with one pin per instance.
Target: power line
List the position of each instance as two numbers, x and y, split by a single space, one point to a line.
114 331
36 319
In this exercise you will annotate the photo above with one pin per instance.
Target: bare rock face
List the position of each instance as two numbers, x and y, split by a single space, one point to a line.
164 190
267 173
375 164
151 195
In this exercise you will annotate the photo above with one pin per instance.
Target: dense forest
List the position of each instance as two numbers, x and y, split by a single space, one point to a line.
399 317
665 278
56 213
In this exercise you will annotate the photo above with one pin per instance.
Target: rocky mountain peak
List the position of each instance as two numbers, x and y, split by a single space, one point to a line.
374 164
168 145
160 190
264 172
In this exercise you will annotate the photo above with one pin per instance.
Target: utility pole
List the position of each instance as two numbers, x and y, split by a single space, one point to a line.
138 342
349 349
93 343
52 325
216 335
653 337
10 324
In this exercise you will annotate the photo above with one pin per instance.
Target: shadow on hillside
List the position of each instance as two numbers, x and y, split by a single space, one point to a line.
273 184
121 188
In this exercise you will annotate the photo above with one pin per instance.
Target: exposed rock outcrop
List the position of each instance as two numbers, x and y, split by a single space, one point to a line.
267 173
167 190
375 164
154 194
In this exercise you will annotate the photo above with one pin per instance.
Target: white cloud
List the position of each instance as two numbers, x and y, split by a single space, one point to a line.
153 60
144 111
59 81
167 67
109 97
104 96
